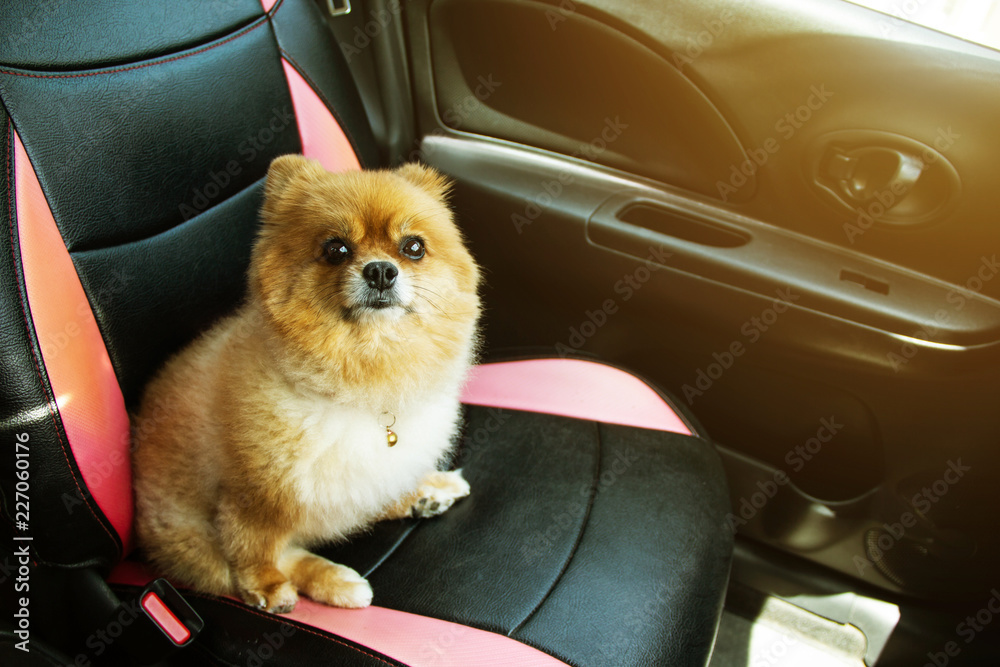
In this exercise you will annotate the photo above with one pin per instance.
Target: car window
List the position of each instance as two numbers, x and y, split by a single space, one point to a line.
974 20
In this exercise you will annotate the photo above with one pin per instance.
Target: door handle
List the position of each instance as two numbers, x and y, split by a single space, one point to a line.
861 174
887 178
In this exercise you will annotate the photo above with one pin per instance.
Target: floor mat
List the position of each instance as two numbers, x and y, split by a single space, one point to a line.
759 630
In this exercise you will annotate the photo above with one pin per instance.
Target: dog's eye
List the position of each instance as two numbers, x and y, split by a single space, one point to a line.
335 251
413 248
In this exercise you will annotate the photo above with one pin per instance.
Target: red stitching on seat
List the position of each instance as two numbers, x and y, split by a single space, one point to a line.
265 19
297 624
274 10
49 403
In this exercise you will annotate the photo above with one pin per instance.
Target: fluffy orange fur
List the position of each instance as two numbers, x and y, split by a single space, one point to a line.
268 433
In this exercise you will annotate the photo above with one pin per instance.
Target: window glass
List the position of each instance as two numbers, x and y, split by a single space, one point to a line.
975 20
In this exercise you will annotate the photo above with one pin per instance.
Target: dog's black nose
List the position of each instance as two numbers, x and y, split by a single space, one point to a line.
380 275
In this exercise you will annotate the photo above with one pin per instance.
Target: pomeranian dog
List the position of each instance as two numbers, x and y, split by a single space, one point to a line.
326 402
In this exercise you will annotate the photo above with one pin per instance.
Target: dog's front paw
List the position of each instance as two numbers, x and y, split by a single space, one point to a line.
334 584
438 492
279 598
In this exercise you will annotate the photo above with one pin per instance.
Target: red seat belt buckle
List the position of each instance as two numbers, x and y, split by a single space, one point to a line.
169 613
161 615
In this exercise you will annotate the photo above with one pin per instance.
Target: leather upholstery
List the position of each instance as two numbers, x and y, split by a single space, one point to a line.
558 550
150 136
306 44
187 109
391 634
254 637
86 34
87 399
67 527
587 545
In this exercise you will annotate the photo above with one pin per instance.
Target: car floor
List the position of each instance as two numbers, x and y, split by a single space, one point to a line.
759 629
783 611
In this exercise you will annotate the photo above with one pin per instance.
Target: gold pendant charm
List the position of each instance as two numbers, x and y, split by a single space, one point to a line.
388 420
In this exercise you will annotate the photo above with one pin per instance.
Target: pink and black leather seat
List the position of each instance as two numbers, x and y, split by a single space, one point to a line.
134 146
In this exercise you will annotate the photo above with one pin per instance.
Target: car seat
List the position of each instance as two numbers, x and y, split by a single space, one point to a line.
135 141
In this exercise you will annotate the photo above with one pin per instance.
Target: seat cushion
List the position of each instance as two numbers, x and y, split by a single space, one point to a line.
598 543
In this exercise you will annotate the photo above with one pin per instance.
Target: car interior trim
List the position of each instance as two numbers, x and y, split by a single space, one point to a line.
88 399
322 136
410 638
572 388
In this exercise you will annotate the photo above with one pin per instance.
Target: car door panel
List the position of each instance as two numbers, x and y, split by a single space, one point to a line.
838 373
669 131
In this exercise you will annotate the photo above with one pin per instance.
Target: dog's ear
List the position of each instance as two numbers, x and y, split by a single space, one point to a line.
285 167
285 171
426 179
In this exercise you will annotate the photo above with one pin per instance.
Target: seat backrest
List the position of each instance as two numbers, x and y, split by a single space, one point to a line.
134 150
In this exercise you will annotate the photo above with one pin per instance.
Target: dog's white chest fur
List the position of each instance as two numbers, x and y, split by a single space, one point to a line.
349 474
